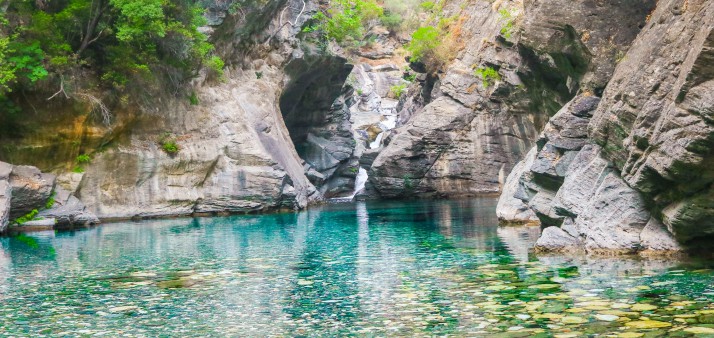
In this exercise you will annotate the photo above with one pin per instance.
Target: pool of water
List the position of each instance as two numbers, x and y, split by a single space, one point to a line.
364 269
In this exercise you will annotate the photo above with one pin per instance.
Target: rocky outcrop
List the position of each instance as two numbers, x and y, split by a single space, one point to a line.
656 119
642 178
26 190
577 195
30 189
472 131
235 149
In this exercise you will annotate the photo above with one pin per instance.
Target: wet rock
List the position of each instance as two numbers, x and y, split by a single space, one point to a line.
44 223
554 239
68 211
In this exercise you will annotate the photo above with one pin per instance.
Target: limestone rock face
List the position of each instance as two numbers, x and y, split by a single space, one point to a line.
655 121
236 151
461 135
510 208
577 195
642 176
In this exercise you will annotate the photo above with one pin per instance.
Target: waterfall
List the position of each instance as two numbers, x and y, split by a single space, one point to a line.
360 181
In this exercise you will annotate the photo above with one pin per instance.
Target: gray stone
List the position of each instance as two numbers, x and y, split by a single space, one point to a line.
655 119
554 239
5 197
68 211
614 218
44 223
31 189
511 209
656 238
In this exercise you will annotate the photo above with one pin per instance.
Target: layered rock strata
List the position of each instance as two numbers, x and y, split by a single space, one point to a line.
463 133
642 182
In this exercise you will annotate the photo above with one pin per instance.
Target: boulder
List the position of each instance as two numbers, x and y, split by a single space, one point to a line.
68 211
655 238
31 189
511 209
554 239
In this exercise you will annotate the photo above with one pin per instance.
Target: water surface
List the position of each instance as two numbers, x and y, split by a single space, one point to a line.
365 269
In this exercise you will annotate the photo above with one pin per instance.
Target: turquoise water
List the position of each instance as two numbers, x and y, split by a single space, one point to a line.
366 269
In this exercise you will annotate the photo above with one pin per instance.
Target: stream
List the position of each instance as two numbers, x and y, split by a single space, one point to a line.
423 268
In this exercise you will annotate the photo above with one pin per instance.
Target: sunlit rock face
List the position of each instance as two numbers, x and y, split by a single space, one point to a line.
235 150
463 136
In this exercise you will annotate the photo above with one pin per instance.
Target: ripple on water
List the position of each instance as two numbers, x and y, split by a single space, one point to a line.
385 269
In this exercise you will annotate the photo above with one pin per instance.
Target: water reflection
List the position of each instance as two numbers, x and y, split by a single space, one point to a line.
374 268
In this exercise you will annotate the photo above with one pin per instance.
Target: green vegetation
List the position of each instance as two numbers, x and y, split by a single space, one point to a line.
508 18
169 144
51 45
436 44
77 169
427 5
407 181
193 99
170 147
488 76
346 20
26 218
258 75
398 90
424 41
83 158
50 201
410 77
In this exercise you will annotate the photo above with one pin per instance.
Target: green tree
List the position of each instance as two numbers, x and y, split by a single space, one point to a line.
119 40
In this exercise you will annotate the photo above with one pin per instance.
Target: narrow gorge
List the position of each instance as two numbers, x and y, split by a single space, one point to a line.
552 134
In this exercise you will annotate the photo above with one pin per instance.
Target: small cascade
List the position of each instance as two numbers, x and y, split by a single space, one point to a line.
360 182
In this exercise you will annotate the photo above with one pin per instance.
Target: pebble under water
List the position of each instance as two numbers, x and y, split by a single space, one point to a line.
440 268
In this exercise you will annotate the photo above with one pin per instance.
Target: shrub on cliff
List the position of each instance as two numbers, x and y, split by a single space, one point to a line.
346 20
436 45
151 43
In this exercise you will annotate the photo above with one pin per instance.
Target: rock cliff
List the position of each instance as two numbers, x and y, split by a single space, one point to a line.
636 177
472 130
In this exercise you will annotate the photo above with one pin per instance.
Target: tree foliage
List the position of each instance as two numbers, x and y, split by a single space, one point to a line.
118 40
346 19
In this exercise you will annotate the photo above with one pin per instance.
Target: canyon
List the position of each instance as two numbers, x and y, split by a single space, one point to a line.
596 125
